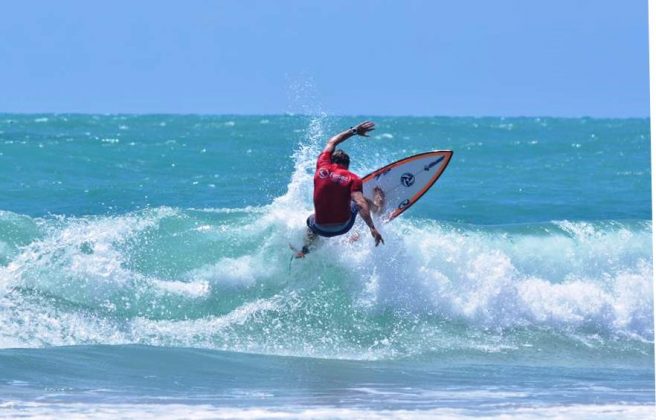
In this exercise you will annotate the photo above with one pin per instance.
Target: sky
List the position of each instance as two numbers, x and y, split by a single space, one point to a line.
343 57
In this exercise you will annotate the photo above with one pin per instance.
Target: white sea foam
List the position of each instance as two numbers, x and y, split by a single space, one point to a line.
202 332
242 271
194 289
175 410
247 209
502 280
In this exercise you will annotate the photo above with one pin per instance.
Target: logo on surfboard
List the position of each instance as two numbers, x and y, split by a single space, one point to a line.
430 165
407 179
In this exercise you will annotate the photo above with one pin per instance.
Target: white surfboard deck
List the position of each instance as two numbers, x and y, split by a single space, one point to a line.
406 180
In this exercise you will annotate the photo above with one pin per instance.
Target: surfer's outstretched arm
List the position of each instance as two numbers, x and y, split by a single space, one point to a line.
361 130
366 215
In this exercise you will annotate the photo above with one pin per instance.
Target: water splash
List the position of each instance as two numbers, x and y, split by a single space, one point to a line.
219 278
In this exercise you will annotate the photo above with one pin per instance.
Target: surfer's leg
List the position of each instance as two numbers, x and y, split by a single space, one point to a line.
310 237
308 243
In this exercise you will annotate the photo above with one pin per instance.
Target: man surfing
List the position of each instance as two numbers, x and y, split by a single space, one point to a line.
338 193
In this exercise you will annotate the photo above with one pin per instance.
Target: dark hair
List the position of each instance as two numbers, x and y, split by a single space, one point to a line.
341 158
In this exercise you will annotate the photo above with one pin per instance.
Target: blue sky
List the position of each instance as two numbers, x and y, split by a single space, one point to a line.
470 57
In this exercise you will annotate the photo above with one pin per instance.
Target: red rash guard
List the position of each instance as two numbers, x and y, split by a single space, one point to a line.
333 185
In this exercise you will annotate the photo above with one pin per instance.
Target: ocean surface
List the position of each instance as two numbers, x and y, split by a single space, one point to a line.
145 271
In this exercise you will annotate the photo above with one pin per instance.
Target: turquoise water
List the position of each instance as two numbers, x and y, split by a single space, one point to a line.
144 270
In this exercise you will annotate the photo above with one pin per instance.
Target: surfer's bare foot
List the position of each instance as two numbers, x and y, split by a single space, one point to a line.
299 254
379 200
302 253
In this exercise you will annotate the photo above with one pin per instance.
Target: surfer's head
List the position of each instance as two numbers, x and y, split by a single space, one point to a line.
341 158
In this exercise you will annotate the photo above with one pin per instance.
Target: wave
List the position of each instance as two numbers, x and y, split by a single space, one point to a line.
222 279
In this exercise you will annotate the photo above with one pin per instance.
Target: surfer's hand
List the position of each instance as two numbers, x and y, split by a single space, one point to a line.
377 236
364 127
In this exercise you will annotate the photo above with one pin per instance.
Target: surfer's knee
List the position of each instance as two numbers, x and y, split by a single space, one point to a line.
310 236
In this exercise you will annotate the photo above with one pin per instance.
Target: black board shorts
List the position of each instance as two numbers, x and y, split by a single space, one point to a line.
328 232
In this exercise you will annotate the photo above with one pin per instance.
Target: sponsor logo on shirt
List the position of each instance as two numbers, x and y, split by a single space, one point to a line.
340 179
334 177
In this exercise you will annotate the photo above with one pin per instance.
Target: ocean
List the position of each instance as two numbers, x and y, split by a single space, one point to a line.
145 271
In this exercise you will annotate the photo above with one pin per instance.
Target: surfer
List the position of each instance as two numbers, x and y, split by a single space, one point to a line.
338 193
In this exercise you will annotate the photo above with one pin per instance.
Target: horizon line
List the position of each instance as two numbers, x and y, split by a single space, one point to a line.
337 115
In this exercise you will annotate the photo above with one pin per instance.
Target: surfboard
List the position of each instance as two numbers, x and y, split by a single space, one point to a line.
406 181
